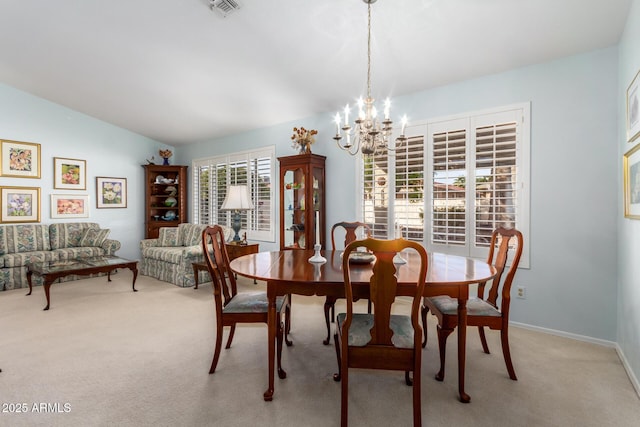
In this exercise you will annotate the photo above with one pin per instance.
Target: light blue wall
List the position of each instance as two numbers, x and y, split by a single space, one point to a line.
628 229
109 151
571 285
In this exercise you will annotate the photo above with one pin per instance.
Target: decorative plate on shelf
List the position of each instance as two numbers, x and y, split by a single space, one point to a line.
361 257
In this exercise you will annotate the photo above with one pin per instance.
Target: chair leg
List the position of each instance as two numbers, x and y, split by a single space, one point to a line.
329 305
423 313
287 325
442 344
504 337
216 352
344 398
483 340
279 334
231 332
336 377
417 401
407 378
369 306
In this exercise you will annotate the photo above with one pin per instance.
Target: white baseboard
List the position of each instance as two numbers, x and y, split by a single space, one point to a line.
606 343
627 367
584 338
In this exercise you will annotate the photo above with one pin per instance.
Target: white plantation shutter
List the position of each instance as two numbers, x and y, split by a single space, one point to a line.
448 208
375 203
212 176
409 189
263 210
496 184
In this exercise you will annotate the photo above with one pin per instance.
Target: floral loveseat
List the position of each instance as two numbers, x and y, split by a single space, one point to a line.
170 257
23 243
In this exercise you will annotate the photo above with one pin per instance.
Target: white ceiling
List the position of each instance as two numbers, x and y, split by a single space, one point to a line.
177 72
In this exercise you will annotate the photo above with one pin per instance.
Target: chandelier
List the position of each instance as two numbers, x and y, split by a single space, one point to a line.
370 135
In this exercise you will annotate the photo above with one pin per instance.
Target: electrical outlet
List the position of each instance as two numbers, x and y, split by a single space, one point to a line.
521 292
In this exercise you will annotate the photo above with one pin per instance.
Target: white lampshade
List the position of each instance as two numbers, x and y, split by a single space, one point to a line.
237 199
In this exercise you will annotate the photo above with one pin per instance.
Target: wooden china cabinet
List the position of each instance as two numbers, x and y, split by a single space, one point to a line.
302 201
165 197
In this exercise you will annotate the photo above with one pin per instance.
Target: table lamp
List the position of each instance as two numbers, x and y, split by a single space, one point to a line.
237 200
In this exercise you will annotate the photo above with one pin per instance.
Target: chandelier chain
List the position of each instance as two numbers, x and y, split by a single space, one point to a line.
369 51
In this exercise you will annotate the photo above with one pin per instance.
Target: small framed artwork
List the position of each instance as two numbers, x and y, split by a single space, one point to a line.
19 159
69 206
633 109
69 174
631 170
111 192
19 204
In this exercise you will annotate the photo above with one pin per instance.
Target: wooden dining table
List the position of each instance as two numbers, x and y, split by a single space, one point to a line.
290 272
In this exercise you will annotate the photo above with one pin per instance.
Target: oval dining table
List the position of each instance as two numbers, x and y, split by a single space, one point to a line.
290 272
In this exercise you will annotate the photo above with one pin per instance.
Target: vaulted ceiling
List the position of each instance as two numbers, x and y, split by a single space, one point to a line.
178 72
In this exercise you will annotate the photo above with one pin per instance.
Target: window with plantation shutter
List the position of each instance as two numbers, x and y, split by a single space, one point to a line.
211 178
453 182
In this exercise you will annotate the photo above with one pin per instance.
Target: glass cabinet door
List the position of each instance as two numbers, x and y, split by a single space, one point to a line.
294 209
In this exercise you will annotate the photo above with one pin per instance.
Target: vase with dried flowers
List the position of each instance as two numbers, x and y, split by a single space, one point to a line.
165 154
302 139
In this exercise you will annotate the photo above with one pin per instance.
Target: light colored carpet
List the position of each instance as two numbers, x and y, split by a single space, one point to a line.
104 355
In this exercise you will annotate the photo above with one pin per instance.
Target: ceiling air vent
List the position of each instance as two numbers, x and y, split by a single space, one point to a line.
224 7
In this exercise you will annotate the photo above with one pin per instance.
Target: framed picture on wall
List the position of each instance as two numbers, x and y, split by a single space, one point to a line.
69 206
631 170
633 109
19 204
111 192
69 174
19 159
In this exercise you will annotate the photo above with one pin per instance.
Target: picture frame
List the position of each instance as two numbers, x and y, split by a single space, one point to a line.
631 179
69 174
19 204
19 159
69 206
111 192
633 109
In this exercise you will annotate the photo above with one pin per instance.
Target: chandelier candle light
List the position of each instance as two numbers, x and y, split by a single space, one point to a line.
370 136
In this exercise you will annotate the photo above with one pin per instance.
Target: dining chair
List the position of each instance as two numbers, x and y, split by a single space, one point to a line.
492 311
233 307
380 340
350 230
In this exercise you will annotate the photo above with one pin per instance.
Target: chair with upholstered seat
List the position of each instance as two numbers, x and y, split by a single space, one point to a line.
233 307
492 311
350 230
381 340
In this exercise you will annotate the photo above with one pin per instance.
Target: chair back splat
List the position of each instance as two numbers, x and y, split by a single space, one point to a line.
381 340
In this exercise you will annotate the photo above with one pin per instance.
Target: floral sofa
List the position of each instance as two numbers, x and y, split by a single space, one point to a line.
24 243
170 257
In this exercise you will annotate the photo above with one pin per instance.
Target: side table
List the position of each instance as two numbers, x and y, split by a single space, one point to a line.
234 251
